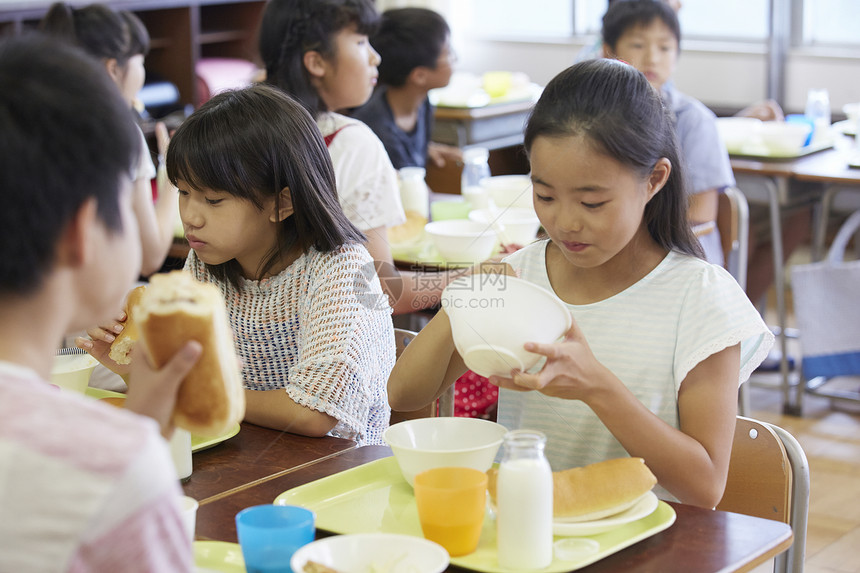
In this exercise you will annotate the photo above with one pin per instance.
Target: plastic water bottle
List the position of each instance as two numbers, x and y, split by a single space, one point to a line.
524 503
475 169
818 111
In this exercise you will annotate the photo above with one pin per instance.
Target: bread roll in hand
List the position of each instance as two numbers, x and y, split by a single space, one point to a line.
174 309
595 491
120 348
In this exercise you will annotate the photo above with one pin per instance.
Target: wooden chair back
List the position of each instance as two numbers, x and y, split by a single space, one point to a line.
769 478
733 224
759 481
444 406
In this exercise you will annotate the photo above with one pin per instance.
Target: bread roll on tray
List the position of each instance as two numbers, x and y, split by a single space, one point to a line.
174 309
595 491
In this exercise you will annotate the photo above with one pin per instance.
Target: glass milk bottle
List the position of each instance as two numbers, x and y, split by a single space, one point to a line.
524 503
475 169
414 193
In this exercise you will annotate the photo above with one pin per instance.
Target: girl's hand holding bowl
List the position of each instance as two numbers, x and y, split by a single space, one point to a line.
571 371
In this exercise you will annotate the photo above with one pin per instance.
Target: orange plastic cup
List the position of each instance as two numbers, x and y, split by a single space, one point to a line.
451 504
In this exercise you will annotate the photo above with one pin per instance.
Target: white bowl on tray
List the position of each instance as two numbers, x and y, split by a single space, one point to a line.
461 240
518 226
782 137
371 552
72 371
427 443
493 316
737 132
510 191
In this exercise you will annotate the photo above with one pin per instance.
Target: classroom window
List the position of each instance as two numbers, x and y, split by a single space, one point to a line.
831 22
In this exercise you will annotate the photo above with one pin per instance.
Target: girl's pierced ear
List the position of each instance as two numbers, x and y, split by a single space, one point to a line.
284 206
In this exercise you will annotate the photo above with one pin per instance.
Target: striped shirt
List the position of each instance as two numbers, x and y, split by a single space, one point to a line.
83 486
650 336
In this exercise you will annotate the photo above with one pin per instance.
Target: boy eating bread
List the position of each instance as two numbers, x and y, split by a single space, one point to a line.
86 487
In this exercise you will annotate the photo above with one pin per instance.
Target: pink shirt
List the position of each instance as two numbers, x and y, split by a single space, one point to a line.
84 486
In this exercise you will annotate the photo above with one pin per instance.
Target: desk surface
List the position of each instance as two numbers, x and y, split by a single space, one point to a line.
829 166
700 540
255 454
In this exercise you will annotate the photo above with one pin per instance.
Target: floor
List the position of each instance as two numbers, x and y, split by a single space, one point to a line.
829 432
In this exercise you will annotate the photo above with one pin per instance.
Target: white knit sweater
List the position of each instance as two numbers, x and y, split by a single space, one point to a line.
322 330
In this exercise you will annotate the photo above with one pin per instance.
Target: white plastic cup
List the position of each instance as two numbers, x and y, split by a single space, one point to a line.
180 451
189 515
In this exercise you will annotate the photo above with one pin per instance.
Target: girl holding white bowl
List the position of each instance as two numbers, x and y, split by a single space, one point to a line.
660 339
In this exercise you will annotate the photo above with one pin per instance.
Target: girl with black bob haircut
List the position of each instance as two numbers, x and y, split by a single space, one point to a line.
252 153
259 207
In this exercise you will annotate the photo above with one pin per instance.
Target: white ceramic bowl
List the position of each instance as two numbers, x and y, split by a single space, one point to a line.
519 226
427 443
784 137
738 131
510 191
492 316
368 552
72 371
852 110
461 240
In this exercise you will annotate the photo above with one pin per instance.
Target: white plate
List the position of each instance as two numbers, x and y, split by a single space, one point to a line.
363 552
644 507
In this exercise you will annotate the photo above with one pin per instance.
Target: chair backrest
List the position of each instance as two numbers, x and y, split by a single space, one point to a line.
444 406
733 219
769 478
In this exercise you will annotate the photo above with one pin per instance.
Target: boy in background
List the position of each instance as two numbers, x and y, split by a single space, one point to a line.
647 35
85 486
415 47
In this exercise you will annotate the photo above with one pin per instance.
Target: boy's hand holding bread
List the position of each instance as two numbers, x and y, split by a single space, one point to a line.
173 320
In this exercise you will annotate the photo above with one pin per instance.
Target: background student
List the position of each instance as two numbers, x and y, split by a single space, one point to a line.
647 35
415 47
319 52
661 339
259 207
86 486
119 41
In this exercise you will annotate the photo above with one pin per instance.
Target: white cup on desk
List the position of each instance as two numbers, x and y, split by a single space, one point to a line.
180 451
189 507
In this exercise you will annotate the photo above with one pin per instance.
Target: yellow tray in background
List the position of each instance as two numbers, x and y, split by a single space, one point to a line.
374 497
765 153
197 443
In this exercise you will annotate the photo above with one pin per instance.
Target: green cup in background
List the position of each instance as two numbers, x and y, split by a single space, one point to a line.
449 209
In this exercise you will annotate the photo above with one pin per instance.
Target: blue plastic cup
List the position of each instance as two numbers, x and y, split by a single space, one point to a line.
270 534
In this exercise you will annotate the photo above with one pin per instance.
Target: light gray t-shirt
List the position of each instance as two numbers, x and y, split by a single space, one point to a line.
650 335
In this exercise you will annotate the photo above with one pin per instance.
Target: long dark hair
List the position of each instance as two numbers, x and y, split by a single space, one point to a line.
613 105
99 30
252 143
291 28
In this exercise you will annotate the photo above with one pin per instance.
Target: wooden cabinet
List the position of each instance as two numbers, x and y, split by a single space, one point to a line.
181 32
